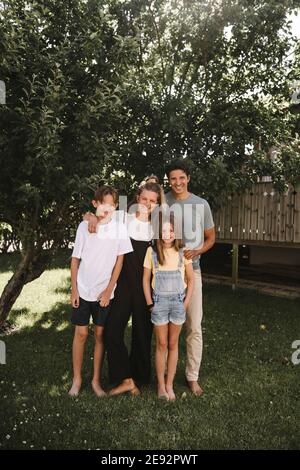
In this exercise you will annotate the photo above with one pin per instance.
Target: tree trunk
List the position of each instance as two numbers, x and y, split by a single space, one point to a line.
31 267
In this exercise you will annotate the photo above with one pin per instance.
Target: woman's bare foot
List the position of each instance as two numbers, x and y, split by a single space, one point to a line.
162 393
98 390
170 392
127 385
195 387
75 389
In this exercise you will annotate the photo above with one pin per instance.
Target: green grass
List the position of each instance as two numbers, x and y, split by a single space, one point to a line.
251 398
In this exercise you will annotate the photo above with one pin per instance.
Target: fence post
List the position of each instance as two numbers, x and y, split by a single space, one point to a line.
235 265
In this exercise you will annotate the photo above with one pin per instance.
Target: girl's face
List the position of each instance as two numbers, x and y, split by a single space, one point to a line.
147 201
106 207
168 234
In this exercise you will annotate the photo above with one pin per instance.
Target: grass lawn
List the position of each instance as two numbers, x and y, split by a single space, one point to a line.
252 390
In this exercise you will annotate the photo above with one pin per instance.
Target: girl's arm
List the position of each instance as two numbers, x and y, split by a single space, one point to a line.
104 297
147 286
190 280
74 291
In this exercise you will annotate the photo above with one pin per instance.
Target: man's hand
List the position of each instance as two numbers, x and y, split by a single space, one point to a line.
75 298
92 220
104 298
190 254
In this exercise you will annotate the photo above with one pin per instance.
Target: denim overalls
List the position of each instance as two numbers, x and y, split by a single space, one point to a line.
168 294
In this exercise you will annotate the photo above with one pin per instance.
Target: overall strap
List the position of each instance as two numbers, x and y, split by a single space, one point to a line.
155 260
180 258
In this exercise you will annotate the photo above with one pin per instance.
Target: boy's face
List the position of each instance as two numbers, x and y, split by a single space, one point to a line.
106 207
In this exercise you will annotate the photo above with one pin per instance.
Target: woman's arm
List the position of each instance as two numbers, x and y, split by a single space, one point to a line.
92 220
147 286
190 278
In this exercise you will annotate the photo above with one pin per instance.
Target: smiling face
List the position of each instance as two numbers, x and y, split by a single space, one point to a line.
147 201
179 181
168 234
106 207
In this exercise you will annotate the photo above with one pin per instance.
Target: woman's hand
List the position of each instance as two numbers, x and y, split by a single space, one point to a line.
92 220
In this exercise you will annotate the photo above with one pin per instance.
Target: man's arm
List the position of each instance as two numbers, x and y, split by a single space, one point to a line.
104 297
74 291
209 241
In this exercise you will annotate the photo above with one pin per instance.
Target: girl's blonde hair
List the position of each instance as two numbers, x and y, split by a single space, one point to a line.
159 244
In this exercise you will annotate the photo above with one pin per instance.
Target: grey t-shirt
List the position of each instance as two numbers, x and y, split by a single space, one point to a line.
193 216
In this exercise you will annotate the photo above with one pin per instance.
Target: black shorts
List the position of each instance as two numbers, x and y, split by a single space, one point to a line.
81 315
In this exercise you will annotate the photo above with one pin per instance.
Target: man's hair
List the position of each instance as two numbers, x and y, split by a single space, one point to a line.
105 190
178 165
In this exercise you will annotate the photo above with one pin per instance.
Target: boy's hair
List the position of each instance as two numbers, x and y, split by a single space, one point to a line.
178 165
159 246
105 190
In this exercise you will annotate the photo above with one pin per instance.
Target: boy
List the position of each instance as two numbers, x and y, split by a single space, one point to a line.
97 260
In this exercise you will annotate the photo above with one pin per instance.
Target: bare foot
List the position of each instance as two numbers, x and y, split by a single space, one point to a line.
75 389
170 392
127 385
195 388
162 393
98 390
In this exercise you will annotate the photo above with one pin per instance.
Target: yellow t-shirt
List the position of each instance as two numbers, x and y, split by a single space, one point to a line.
171 263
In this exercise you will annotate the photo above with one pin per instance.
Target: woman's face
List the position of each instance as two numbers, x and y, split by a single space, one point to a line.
147 201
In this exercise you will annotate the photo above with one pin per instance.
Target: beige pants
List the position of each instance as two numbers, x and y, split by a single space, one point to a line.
194 343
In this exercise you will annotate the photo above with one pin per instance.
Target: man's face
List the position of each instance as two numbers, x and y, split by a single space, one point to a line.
179 181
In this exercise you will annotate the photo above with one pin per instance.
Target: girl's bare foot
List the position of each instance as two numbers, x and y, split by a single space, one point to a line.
98 390
170 392
75 389
162 393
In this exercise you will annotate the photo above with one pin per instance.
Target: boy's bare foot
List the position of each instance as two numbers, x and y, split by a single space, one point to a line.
162 393
170 392
127 385
98 390
75 389
195 387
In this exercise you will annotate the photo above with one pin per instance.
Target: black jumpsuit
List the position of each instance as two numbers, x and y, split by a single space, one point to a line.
129 300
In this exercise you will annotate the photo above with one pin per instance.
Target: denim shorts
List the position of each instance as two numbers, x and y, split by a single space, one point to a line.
168 308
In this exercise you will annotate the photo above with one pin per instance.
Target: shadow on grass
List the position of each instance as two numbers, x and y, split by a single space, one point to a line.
9 261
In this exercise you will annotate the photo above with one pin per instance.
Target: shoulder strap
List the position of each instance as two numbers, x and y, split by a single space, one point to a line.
155 260
180 258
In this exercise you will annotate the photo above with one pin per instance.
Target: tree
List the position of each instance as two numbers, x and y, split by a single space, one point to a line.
114 89
64 65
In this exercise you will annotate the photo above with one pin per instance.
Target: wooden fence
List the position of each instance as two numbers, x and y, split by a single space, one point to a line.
260 216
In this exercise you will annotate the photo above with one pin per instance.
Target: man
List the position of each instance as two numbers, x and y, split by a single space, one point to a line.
198 234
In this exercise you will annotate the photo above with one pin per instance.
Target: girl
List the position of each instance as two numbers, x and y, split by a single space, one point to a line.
171 275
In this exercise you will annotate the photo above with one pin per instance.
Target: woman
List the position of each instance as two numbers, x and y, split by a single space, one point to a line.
124 370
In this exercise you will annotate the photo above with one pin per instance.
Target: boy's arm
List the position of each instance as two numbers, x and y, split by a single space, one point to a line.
74 291
104 297
147 286
189 272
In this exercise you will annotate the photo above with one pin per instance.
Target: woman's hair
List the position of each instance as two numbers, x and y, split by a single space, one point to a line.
159 244
155 187
148 178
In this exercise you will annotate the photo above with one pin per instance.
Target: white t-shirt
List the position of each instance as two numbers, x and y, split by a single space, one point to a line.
137 229
98 254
